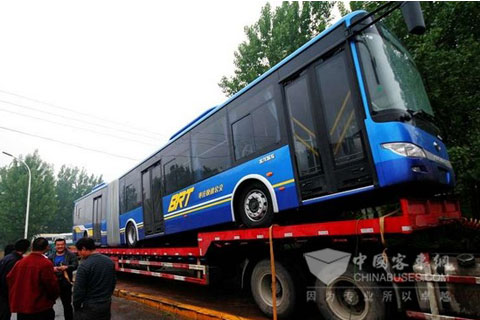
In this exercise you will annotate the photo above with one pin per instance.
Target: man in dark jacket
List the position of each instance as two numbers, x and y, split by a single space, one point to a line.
65 262
6 264
9 248
32 285
94 283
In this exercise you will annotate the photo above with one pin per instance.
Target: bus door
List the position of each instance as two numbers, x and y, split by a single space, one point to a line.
152 200
306 142
97 219
326 128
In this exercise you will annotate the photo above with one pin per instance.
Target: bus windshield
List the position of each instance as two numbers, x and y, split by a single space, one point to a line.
393 81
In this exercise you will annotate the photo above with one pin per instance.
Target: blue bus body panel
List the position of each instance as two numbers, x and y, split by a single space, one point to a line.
392 168
78 230
137 216
287 198
338 195
103 228
210 201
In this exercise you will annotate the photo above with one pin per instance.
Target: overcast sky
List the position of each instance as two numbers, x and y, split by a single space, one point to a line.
132 72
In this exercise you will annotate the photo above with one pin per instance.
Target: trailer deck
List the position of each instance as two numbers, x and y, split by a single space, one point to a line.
414 215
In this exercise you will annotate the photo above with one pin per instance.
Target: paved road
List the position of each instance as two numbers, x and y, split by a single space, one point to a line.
123 310
224 297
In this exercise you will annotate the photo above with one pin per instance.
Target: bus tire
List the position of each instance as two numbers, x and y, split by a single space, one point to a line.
131 236
347 299
261 287
255 206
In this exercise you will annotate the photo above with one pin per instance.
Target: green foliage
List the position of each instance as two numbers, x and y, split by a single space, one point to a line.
51 200
342 8
72 183
448 57
13 194
275 35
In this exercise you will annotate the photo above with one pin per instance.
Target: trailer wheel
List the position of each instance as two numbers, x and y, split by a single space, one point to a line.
131 236
347 299
261 286
255 206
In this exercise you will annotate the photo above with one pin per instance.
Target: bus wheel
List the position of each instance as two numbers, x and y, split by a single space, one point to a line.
255 206
261 286
131 236
347 299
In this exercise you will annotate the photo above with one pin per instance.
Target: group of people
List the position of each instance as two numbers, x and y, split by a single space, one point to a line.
30 284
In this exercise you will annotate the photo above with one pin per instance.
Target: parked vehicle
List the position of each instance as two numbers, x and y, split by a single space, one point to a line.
344 118
344 115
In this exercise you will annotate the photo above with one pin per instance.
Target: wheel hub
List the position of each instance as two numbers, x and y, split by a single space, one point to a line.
351 297
347 300
256 205
266 290
253 205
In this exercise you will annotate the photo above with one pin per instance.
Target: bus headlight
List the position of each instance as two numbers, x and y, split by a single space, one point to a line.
405 149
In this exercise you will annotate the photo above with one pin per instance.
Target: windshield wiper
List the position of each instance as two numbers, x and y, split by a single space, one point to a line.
420 114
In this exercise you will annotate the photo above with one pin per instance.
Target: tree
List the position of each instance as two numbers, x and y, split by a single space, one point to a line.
448 57
72 183
342 8
51 202
274 36
13 193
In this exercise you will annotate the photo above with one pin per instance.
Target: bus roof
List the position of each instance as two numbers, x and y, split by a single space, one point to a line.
266 74
212 110
99 186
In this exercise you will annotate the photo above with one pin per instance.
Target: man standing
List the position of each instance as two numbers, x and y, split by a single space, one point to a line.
94 283
9 248
6 264
33 286
65 262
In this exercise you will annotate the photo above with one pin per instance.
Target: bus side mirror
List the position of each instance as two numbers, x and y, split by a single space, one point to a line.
413 16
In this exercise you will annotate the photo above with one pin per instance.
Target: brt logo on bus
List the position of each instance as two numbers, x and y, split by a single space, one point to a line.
180 200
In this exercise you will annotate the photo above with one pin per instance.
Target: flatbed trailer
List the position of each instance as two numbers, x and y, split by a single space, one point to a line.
246 254
414 216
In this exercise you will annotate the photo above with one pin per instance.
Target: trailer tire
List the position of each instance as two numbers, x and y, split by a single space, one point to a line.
131 236
260 283
255 206
347 299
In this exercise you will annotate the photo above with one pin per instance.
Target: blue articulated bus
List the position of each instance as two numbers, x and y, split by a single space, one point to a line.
346 114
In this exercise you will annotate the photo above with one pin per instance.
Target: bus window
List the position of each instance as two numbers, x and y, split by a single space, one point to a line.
131 197
307 153
210 152
265 126
243 139
177 167
342 124
254 123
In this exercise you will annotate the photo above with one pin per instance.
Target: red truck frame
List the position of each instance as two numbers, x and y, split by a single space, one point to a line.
191 264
